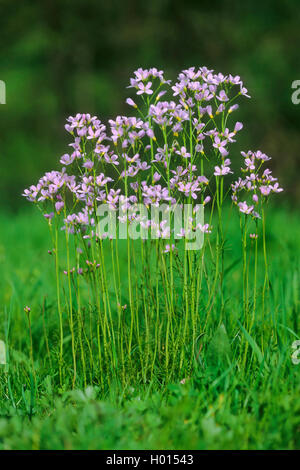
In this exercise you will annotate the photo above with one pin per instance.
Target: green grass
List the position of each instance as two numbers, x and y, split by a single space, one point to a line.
225 404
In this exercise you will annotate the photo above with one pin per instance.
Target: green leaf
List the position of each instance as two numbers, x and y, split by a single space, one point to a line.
219 350
254 347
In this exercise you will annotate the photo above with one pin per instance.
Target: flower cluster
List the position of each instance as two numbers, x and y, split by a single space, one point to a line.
158 156
256 185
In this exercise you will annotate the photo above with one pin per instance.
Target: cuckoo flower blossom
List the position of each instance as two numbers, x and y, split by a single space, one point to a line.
144 89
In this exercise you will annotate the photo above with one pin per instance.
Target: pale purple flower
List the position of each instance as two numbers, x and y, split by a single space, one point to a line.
189 189
220 109
220 145
113 198
233 108
265 190
59 205
168 248
135 158
111 158
160 94
182 233
163 230
238 126
102 180
94 133
144 88
82 131
204 228
32 192
67 159
156 177
88 164
143 166
209 111
244 92
224 169
201 178
261 156
141 74
130 102
222 96
243 206
49 216
276 188
183 152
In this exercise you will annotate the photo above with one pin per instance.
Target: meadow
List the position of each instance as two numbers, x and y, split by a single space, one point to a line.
126 332
232 406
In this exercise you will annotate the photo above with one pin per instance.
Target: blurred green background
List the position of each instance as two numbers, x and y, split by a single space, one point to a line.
62 57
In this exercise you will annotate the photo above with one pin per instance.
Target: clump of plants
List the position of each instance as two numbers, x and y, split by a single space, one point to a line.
140 268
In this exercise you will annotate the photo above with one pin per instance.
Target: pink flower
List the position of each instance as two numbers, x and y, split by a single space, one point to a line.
49 216
276 188
265 190
183 152
243 206
156 177
168 248
204 228
222 96
220 145
224 169
88 164
144 88
59 205
130 102
67 159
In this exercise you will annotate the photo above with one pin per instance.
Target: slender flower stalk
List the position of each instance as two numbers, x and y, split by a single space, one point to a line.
144 303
